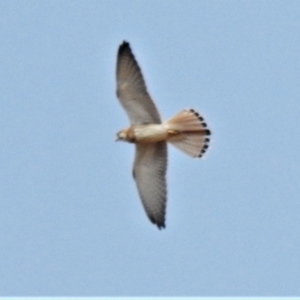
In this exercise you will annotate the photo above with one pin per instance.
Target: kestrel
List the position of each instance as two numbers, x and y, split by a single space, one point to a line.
187 131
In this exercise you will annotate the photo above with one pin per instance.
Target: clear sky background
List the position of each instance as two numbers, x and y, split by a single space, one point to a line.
71 222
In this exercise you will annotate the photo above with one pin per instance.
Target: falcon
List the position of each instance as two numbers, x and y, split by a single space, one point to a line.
187 131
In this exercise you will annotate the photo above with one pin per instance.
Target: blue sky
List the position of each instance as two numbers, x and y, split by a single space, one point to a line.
71 222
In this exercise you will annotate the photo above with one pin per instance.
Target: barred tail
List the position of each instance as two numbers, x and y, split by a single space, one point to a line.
188 132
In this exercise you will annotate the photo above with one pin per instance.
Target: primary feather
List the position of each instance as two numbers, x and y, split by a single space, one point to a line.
132 91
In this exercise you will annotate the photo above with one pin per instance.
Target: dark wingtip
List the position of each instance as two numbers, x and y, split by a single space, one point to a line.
124 47
161 226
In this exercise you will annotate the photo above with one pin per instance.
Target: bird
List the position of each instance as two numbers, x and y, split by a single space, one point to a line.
187 131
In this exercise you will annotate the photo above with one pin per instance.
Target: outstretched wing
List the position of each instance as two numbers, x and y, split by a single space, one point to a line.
131 89
149 172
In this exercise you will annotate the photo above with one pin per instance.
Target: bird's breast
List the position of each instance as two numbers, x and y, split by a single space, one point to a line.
150 133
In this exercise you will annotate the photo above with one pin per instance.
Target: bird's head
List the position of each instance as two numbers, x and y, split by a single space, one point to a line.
125 135
121 136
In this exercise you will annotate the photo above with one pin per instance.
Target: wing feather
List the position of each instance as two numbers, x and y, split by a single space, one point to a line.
149 172
132 91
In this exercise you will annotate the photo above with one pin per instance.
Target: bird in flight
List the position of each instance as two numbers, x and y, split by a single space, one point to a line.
187 131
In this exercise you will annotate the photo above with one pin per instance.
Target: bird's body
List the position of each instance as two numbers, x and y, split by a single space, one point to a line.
187 131
147 133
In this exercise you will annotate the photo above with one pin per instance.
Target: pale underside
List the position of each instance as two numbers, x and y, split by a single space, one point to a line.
187 131
150 162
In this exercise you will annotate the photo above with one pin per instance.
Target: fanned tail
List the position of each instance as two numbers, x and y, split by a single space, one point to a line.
188 132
